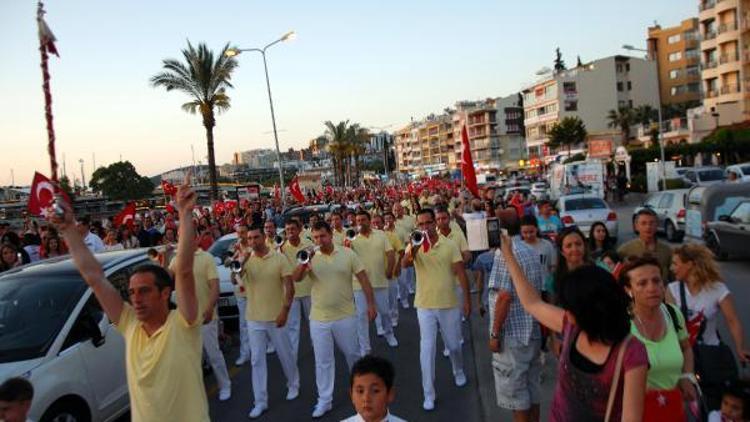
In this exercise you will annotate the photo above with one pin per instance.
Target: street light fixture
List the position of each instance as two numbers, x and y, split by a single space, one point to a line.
233 52
658 91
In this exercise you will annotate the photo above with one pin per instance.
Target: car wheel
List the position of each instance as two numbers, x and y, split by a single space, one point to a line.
64 411
712 242
670 231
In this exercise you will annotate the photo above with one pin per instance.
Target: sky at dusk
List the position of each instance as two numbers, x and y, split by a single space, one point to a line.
375 63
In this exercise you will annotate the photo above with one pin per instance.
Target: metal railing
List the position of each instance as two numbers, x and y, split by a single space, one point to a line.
730 89
725 27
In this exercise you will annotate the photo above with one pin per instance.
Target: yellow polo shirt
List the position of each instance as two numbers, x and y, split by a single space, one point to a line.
165 379
398 247
332 294
204 269
301 288
435 279
457 236
339 237
247 251
264 282
371 251
270 243
306 234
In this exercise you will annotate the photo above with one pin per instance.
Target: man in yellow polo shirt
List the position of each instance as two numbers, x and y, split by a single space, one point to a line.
162 346
333 314
436 301
404 224
337 224
267 278
269 230
241 250
376 253
379 222
301 304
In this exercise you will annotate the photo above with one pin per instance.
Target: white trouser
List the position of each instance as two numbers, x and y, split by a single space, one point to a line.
244 341
405 284
392 302
210 335
363 322
460 307
299 305
323 334
449 321
258 332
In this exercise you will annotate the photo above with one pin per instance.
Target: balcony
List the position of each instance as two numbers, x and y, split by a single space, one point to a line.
706 5
726 27
710 64
709 35
728 58
730 89
692 60
712 93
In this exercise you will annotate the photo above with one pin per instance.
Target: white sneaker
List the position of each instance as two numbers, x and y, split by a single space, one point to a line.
293 393
225 394
257 411
460 379
270 349
241 360
381 332
428 405
321 409
391 339
446 353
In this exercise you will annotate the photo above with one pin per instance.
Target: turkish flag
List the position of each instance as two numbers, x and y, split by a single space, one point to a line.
126 216
43 193
168 188
230 204
297 191
329 190
467 164
219 208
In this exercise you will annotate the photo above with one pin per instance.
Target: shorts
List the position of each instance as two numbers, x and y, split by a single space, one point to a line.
517 371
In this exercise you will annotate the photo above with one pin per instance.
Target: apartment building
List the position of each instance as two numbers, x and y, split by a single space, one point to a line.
677 53
510 131
589 92
480 118
725 49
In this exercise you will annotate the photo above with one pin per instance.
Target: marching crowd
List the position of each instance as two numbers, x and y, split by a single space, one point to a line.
633 328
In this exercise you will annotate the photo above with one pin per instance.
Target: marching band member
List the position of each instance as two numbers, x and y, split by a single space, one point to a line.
301 304
337 224
387 225
241 252
404 226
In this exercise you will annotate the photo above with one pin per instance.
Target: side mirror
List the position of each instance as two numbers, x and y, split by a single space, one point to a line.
726 219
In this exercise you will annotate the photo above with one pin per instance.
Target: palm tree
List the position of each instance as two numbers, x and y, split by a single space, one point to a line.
338 147
205 78
568 132
622 118
645 114
358 138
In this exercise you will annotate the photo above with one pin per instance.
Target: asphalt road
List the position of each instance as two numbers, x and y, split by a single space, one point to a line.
473 402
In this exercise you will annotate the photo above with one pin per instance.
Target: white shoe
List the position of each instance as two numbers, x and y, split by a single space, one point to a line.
428 405
257 411
293 393
270 349
394 323
241 360
391 339
460 379
446 353
321 409
405 305
381 332
225 394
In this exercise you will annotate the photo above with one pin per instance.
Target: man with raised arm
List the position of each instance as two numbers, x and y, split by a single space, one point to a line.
163 346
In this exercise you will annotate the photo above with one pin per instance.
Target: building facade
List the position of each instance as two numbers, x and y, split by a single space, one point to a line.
480 118
588 92
725 49
510 131
427 146
677 53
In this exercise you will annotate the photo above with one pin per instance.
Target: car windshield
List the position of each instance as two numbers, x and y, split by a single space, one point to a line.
578 204
711 175
745 170
219 249
32 312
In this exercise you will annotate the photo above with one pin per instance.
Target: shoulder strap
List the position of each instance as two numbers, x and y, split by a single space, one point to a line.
673 315
683 301
616 378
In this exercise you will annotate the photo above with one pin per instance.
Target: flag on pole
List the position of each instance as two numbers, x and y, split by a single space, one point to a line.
467 164
42 194
296 191
126 216
168 188
46 37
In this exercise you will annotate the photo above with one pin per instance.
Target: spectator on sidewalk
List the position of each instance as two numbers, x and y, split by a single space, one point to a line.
646 223
15 399
371 390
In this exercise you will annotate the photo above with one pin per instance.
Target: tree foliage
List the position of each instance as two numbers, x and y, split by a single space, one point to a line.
121 182
559 62
623 118
346 145
568 132
204 77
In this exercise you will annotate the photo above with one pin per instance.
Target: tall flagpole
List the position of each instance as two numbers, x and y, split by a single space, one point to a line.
45 40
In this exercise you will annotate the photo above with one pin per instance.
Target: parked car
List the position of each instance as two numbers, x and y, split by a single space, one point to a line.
730 234
55 333
221 250
669 207
741 170
305 211
583 210
705 204
540 190
704 176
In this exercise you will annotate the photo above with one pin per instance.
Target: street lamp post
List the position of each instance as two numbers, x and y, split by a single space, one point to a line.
661 139
231 52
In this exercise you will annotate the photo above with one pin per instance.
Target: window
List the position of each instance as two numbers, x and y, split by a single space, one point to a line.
674 74
569 88
619 87
627 67
630 86
619 68
571 105
666 201
692 71
673 39
630 103
673 57
694 87
741 214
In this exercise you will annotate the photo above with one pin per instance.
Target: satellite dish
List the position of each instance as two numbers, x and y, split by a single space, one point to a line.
543 71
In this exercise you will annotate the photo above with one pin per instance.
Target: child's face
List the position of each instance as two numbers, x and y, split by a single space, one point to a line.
370 397
14 411
731 408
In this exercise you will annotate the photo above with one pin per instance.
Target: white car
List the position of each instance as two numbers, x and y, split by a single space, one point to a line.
704 176
221 250
741 170
583 210
540 190
54 333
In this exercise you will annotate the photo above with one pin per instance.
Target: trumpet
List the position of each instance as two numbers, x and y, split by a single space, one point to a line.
417 238
278 240
235 266
305 255
351 234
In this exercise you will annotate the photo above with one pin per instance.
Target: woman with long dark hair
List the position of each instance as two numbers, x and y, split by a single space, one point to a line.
599 240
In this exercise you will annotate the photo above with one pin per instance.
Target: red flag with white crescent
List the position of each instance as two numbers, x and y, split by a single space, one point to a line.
126 216
168 188
42 194
467 164
297 191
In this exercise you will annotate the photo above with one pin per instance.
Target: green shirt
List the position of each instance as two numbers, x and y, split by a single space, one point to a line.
664 356
663 254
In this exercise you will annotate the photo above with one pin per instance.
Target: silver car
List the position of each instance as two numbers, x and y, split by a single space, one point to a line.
583 210
704 176
669 206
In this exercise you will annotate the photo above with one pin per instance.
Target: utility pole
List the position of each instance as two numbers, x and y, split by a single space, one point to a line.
12 178
83 178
